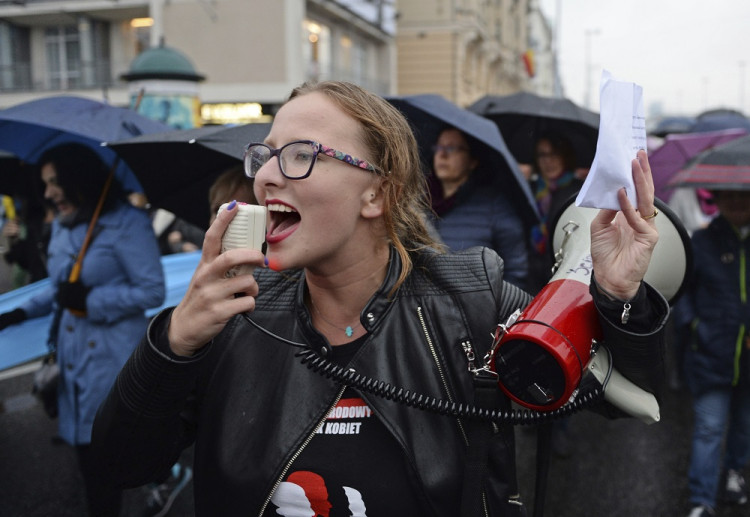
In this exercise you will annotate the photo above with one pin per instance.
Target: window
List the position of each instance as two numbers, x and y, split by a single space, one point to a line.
15 57
353 60
77 55
63 57
316 50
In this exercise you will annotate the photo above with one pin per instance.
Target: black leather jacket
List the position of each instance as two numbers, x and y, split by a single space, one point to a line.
416 340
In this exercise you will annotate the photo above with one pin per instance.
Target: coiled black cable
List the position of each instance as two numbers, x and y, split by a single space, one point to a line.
385 390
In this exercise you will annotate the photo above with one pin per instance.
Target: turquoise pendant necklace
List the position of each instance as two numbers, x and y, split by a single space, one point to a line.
349 330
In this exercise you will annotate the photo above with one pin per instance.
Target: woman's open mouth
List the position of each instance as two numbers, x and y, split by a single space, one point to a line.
283 221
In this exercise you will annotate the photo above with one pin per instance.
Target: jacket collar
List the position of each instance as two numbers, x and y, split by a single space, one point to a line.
371 314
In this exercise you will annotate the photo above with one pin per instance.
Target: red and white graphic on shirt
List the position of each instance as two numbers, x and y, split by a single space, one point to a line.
305 495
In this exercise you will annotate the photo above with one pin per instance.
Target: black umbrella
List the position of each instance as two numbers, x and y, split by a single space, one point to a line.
522 117
725 167
176 168
429 114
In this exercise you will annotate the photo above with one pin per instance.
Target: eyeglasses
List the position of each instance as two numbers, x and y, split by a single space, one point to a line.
296 159
448 149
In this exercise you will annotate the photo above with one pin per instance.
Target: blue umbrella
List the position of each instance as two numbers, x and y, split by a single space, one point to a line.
429 114
30 128
28 340
718 119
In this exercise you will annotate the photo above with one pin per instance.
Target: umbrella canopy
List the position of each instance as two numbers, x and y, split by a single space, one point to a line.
715 120
726 167
522 117
678 149
30 128
429 114
176 168
669 125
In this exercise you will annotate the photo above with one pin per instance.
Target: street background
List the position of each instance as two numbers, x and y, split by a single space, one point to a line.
619 468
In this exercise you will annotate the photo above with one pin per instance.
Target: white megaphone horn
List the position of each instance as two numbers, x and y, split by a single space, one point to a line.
544 351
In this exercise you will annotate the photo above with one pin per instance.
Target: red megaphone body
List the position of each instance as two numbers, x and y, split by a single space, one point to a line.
541 357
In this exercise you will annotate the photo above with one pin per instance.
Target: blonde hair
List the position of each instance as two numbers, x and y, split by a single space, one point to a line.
393 149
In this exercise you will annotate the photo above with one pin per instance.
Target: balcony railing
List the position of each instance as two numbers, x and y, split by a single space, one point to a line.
17 78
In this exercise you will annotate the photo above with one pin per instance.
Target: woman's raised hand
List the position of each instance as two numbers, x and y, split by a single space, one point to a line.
211 299
622 241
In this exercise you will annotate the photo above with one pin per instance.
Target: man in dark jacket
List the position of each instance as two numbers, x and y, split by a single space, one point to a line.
712 320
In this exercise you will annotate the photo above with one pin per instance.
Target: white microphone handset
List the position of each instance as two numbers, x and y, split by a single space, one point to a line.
247 230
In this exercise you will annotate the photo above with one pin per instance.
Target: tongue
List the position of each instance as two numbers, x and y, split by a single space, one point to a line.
285 223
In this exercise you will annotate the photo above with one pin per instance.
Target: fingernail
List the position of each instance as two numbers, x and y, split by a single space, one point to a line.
265 261
231 205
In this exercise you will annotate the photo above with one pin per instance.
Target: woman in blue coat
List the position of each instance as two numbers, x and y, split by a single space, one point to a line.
102 314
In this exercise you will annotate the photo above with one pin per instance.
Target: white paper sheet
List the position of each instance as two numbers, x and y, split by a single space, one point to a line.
622 132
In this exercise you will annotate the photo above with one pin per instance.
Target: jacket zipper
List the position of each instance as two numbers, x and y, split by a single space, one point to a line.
299 451
741 335
468 350
431 345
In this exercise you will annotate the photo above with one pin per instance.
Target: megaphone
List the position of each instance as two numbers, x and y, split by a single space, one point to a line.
542 355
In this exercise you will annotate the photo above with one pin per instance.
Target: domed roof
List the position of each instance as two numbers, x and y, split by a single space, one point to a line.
162 63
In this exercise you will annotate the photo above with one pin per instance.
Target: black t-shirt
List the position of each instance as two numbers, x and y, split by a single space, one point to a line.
351 467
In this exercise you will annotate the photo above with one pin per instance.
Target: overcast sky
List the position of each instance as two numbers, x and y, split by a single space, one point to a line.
688 55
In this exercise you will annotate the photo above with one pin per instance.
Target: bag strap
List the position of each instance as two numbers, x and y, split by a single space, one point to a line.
486 395
75 271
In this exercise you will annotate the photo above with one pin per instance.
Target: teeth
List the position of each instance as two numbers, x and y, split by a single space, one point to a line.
278 207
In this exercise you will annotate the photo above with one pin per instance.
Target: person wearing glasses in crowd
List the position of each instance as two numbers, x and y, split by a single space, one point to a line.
553 181
470 209
350 278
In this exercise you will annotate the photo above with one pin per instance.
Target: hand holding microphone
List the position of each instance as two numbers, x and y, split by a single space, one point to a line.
211 299
246 230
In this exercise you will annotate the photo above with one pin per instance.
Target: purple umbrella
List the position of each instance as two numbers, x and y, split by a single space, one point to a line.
678 149
726 167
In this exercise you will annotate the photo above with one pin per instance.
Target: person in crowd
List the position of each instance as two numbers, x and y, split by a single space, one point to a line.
103 312
695 207
553 182
471 209
350 278
712 321
231 184
26 233
174 234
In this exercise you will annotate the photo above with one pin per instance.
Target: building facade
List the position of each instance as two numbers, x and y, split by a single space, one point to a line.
463 49
253 52
250 51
